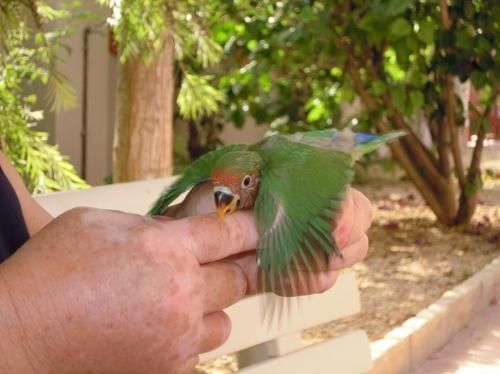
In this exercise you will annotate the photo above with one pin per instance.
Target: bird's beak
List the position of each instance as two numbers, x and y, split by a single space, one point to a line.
225 201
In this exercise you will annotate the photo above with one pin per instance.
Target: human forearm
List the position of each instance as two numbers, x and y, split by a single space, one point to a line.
16 355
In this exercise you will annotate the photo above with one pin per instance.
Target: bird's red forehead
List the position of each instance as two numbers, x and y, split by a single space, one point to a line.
225 178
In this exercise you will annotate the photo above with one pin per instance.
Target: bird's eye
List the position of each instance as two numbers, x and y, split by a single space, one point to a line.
246 181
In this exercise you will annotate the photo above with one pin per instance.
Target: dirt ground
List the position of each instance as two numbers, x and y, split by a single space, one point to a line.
412 260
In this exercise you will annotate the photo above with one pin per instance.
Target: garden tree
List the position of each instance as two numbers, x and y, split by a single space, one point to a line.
143 130
152 35
28 53
299 61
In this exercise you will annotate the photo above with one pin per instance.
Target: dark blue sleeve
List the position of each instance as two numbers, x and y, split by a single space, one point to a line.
13 230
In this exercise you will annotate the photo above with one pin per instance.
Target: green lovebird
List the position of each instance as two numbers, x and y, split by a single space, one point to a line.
295 184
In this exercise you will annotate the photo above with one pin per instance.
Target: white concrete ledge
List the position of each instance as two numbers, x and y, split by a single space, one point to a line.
406 347
131 197
249 329
347 354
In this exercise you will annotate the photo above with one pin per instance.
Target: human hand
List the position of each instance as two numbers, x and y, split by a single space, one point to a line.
349 232
104 291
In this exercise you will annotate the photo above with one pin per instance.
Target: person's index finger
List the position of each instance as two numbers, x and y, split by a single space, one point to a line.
213 238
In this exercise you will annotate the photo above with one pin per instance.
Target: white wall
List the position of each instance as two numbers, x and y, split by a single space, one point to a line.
249 133
101 82
65 126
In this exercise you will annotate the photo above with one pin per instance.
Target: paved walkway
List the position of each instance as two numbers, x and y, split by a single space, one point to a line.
474 350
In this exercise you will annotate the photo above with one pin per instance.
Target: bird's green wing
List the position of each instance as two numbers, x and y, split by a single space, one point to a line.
196 173
301 189
355 143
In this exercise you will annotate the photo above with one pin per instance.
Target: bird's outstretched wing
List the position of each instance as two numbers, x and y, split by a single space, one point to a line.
301 189
197 173
355 143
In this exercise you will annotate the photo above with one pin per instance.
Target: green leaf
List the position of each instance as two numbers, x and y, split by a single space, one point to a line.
464 40
483 44
402 53
485 95
391 65
345 94
412 43
198 98
479 79
417 79
400 27
368 22
336 72
417 100
252 45
395 7
60 94
238 117
36 115
378 88
426 31
317 112
398 95
486 122
371 25
30 99
265 83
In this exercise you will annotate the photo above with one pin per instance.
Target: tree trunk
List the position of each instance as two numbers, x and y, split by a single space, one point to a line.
143 145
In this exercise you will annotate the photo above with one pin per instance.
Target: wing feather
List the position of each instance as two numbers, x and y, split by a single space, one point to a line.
301 189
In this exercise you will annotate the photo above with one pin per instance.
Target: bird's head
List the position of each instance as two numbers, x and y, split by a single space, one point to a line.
235 178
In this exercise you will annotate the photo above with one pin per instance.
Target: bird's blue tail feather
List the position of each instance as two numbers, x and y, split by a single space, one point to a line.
361 138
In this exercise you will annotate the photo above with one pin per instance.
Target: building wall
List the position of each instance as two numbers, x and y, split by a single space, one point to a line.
250 133
100 104
65 127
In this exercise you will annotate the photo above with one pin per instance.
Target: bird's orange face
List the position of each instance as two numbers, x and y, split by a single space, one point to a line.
233 191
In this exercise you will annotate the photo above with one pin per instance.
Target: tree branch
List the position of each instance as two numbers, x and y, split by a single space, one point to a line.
396 147
451 107
452 128
443 148
445 16
401 153
474 168
421 152
468 196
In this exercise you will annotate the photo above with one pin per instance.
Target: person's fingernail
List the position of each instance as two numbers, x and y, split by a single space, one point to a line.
341 234
162 218
336 263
